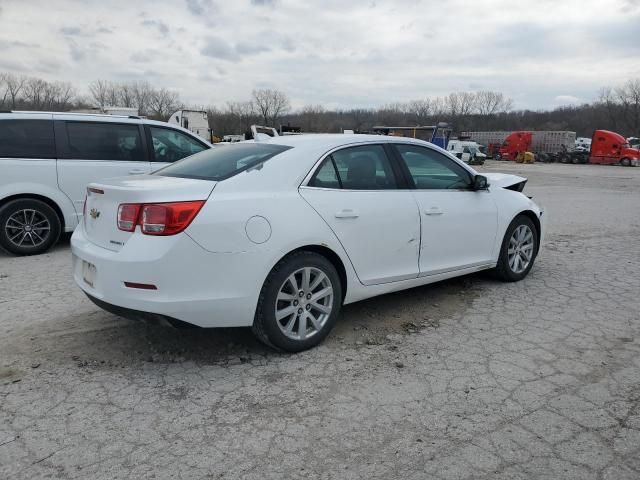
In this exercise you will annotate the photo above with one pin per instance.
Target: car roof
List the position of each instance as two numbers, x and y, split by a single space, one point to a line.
333 140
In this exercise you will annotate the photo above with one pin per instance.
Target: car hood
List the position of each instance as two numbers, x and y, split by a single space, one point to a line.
505 180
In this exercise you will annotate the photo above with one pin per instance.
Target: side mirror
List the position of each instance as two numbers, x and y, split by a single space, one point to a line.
480 182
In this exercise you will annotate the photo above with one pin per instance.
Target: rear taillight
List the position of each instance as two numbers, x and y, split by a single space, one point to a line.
158 218
128 214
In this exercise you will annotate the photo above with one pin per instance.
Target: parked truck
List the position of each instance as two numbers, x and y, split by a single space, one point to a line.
610 148
195 121
512 143
437 134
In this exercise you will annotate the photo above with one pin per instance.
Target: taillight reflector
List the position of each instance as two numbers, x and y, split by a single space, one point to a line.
158 218
141 286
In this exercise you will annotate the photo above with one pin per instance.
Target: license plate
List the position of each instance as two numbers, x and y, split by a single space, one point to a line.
88 273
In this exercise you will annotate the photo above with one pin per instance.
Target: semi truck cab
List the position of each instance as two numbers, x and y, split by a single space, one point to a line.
610 148
515 143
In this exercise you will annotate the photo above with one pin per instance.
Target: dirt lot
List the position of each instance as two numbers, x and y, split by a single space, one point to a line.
467 378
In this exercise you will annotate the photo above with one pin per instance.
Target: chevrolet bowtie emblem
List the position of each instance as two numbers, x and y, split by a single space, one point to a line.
94 213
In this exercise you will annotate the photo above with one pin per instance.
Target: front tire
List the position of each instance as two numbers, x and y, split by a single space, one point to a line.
518 251
625 162
299 302
28 227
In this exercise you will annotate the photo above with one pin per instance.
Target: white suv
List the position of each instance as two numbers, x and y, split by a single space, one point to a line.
47 160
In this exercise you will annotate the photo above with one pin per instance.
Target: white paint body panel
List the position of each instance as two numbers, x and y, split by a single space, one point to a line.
211 274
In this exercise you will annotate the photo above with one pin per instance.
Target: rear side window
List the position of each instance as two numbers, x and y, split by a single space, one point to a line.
171 145
27 139
223 161
105 141
365 167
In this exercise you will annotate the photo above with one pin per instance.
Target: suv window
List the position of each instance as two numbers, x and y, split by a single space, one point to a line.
222 162
105 141
431 170
364 167
27 139
170 145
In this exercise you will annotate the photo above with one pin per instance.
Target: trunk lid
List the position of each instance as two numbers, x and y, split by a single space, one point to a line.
104 197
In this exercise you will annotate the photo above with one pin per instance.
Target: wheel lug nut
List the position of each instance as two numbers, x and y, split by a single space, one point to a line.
301 293
308 307
300 310
308 296
295 303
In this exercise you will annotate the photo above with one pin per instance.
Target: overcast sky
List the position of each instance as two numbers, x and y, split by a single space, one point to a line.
542 53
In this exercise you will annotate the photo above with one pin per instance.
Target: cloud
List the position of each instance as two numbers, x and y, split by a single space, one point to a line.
244 48
160 25
264 3
200 7
216 47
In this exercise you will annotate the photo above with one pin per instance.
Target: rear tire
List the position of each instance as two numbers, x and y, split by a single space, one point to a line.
294 313
518 251
28 227
625 162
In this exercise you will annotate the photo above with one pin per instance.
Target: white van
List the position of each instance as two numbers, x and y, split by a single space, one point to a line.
47 159
467 151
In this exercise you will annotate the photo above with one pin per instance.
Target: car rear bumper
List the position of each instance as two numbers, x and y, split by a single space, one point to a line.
192 285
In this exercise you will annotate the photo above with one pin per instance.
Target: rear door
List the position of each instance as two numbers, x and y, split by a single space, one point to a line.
358 193
169 145
90 151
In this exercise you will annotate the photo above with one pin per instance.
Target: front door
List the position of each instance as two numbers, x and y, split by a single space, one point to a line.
356 191
458 225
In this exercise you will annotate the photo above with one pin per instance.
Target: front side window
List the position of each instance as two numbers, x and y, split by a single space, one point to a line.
27 139
222 162
431 170
105 141
171 145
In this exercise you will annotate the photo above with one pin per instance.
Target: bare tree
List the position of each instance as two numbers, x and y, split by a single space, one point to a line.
142 96
628 95
4 89
490 103
36 93
15 84
99 90
420 110
311 116
126 95
245 114
163 103
271 104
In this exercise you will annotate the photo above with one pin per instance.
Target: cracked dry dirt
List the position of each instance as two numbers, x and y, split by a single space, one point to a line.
468 378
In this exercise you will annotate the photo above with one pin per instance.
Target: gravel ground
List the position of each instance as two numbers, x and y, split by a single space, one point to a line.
466 378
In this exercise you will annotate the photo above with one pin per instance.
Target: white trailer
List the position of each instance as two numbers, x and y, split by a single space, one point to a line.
195 121
543 141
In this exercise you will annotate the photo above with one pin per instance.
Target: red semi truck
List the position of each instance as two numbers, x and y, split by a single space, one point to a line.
610 148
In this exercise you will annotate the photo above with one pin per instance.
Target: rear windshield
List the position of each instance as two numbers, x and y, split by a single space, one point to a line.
222 161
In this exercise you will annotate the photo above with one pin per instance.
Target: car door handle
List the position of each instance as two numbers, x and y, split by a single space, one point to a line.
433 211
347 213
136 171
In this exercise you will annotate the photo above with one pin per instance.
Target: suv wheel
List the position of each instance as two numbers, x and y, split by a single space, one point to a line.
28 227
299 302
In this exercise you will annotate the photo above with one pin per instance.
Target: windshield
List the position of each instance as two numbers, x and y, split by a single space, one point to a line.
222 162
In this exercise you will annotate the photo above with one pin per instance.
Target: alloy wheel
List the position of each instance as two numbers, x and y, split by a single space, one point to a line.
27 228
304 303
520 251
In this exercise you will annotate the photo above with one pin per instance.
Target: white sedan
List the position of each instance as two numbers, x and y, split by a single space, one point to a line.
279 234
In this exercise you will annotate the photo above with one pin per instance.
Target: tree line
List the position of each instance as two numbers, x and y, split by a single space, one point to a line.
615 108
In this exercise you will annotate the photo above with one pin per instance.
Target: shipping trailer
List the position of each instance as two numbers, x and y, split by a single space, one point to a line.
512 143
